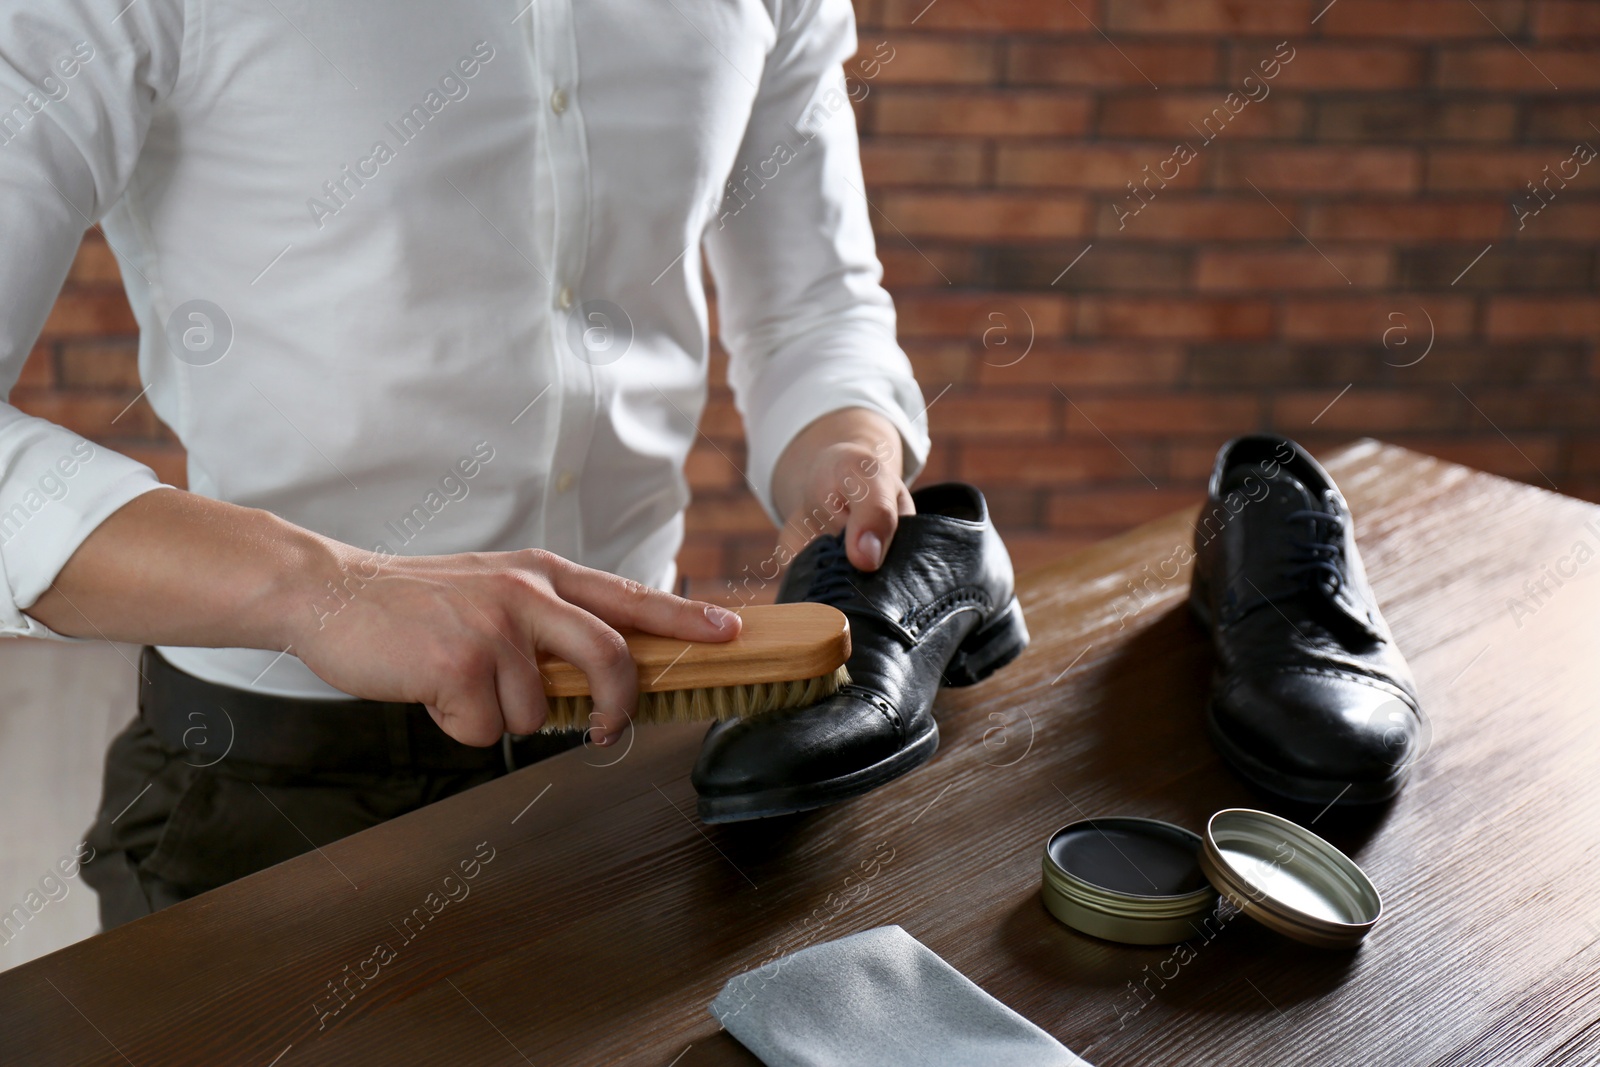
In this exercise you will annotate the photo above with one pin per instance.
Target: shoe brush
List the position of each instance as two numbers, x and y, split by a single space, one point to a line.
786 656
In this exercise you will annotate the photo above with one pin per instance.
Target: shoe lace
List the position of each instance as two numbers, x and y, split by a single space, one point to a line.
831 580
1319 556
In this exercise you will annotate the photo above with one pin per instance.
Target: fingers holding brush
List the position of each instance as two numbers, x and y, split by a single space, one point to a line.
626 603
602 655
462 634
523 706
467 705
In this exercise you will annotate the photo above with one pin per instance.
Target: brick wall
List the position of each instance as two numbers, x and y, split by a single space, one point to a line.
1086 342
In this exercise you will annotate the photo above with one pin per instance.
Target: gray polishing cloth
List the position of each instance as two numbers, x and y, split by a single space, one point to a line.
879 998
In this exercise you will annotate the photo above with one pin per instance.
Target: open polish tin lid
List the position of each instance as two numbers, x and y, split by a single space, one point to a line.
1146 882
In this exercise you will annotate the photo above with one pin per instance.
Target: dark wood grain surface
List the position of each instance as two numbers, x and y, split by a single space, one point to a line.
609 917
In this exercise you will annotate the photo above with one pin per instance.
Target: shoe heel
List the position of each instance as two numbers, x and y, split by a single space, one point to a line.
989 647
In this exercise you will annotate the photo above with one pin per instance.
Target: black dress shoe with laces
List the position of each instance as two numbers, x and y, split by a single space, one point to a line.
940 610
1310 698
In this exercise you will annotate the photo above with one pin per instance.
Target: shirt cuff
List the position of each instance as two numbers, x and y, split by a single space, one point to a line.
790 398
55 488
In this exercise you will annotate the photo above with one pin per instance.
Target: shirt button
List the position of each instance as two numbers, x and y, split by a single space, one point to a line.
558 101
564 482
564 297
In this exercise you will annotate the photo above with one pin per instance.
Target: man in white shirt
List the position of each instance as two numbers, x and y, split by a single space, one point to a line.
419 288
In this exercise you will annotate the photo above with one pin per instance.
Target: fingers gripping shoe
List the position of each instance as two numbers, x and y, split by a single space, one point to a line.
942 609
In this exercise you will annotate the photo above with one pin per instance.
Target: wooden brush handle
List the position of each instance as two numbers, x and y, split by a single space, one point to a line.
779 643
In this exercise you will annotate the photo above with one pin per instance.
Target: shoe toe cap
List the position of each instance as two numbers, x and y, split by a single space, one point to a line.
1322 726
792 747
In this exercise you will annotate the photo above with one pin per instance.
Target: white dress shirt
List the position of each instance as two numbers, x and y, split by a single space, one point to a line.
426 277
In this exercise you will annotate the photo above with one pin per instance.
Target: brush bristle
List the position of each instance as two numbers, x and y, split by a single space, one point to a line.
703 705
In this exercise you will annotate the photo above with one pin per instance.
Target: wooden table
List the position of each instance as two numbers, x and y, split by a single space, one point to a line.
609 916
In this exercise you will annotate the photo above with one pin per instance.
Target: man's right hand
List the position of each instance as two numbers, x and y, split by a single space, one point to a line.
457 633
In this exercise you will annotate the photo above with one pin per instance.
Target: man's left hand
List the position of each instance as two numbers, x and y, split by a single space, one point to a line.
843 471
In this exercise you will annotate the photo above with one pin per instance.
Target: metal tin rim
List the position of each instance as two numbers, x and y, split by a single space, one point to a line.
1133 915
1325 869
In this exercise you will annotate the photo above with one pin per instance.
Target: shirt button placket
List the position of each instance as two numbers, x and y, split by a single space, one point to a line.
569 185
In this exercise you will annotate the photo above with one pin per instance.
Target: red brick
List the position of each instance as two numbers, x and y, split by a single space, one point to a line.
1099 65
1203 16
893 161
1113 509
701 561
1423 20
1366 411
1403 221
1516 317
1002 16
1183 115
869 13
720 419
1585 452
709 470
1002 113
94 415
1411 119
1059 463
1091 166
1368 318
1391 170
1491 67
1566 220
1566 19
1190 462
38 370
1012 508
942 464
983 216
926 61
1033 551
1096 364
990 415
973 315
101 365
1531 409
1192 413
1507 169
717 373
1490 453
941 361
1226 270
1118 266
169 461
94 264
1169 317
1174 215
89 313
1562 121
905 267
1331 66
723 515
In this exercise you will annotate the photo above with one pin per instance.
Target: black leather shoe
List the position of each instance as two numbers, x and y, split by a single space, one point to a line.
1310 698
941 609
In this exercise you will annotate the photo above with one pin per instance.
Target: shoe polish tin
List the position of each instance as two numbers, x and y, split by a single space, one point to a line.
1146 882
1137 881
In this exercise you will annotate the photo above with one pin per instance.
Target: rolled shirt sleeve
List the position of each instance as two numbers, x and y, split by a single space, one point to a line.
808 327
78 85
